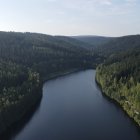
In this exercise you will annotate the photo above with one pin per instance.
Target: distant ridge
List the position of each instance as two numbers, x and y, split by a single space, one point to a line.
93 39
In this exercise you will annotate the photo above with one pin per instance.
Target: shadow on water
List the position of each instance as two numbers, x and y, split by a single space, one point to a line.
19 126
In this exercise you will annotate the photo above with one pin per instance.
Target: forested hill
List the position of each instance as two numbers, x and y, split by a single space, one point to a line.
119 44
31 49
119 75
75 41
93 40
26 60
40 40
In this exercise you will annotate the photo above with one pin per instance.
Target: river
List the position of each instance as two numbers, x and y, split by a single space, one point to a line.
73 108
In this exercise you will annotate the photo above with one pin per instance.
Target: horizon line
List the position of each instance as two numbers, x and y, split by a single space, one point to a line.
80 35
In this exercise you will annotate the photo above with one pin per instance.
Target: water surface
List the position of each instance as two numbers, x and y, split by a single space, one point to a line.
73 108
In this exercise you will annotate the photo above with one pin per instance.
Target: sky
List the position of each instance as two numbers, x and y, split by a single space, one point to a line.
71 17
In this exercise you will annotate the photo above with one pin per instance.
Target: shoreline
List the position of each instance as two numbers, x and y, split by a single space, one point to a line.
21 122
117 104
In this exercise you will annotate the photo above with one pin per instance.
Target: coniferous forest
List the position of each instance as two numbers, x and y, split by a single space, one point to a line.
29 59
119 78
119 74
26 61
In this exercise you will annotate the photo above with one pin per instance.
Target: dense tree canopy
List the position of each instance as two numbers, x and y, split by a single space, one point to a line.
119 78
26 60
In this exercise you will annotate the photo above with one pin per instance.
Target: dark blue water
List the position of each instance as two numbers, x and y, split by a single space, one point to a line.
73 108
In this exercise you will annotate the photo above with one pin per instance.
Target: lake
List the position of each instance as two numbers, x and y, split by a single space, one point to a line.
73 108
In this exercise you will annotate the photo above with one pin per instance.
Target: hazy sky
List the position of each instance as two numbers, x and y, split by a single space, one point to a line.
71 17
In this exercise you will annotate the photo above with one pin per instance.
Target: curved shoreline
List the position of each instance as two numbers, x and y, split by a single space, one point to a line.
116 103
20 122
28 115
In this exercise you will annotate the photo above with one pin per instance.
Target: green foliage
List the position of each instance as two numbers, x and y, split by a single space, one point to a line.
119 78
28 59
93 40
119 45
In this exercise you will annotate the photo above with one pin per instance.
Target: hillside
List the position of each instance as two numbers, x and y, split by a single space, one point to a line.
119 77
41 40
75 42
28 59
93 40
119 44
